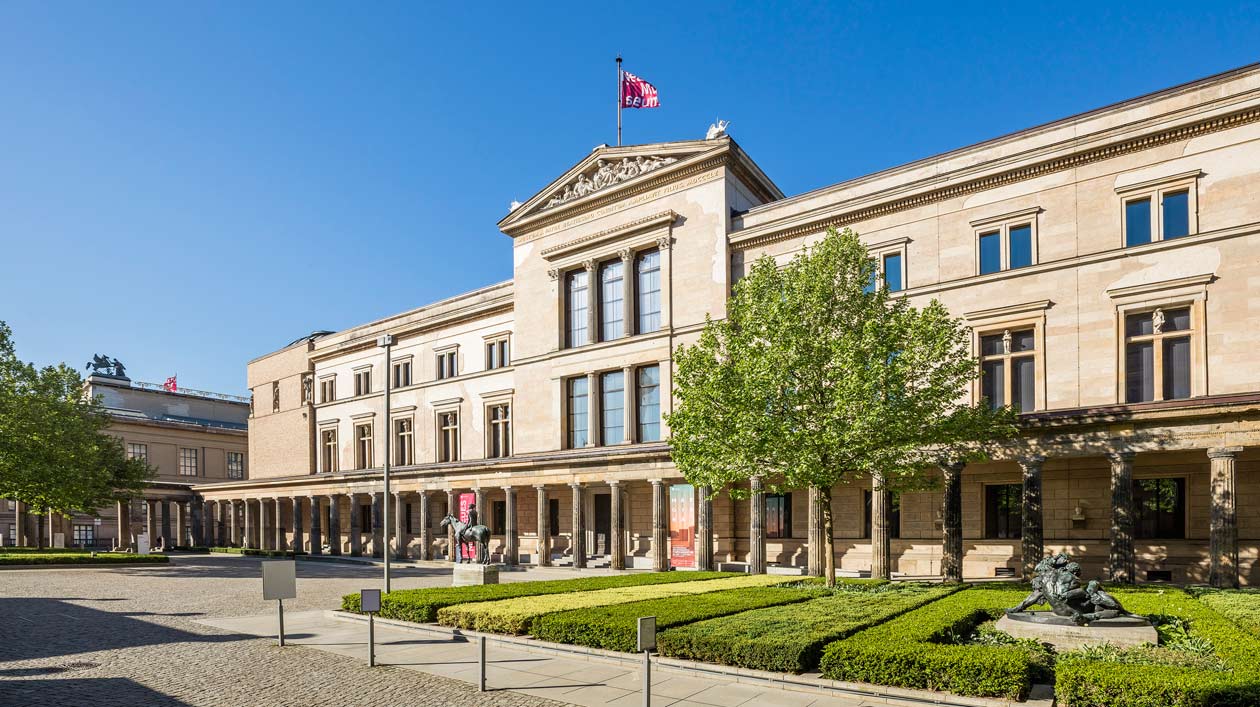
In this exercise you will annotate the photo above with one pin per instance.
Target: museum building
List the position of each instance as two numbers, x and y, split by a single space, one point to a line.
1107 265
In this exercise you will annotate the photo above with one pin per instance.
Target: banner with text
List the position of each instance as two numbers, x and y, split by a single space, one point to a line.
682 525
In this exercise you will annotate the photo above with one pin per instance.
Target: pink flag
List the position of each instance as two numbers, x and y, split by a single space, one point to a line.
170 385
637 93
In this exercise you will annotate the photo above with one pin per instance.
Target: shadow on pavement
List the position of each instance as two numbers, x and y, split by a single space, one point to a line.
75 691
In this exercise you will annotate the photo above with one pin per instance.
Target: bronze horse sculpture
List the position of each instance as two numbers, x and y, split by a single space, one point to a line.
479 535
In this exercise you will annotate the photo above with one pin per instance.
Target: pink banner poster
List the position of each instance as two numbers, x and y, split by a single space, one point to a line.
466 501
682 525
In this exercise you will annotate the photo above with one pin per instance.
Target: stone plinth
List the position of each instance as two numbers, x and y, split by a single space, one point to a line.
470 574
1065 635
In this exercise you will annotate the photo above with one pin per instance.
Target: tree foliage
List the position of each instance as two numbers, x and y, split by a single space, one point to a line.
55 454
815 378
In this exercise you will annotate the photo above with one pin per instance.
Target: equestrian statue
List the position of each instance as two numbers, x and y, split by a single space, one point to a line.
469 532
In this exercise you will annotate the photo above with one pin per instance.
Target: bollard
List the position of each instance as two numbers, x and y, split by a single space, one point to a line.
481 664
647 678
371 641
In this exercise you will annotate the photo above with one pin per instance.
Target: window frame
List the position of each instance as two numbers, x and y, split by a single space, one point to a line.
138 450
328 449
1157 339
882 250
785 531
1156 190
639 291
1008 359
402 372
639 407
446 362
1008 488
601 321
194 455
239 472
1017 317
1003 224
497 350
602 378
447 449
571 431
1181 512
363 380
404 441
568 278
328 388
363 454
502 425
1169 294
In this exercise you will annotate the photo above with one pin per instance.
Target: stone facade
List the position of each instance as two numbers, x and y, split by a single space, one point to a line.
1067 235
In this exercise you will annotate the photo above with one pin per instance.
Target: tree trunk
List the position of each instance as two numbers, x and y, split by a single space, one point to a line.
829 562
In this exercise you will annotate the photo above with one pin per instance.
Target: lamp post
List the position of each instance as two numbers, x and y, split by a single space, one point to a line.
386 341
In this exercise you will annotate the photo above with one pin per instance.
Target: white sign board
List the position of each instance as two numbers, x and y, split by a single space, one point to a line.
279 579
142 543
647 633
59 540
370 600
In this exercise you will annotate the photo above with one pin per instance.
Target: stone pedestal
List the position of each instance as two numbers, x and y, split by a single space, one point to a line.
470 574
1063 633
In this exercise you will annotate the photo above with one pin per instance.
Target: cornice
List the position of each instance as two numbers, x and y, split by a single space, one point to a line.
646 223
804 225
1007 311
367 340
1147 288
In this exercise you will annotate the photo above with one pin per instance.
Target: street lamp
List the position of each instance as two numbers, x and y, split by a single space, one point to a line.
386 341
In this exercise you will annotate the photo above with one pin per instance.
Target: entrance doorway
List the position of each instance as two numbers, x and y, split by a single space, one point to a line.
603 524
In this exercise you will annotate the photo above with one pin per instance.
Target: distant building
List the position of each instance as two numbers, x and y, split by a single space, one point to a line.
188 437
1105 263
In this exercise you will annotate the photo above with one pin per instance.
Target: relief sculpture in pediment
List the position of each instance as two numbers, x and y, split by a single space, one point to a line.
606 174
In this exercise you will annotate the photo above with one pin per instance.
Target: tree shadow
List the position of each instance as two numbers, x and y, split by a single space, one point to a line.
79 691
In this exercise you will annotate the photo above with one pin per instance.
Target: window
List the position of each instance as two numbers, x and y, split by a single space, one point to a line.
577 305
402 374
498 517
1157 355
363 446
447 364
612 309
612 387
328 450
84 535
894 514
500 443
235 465
187 461
1159 508
13 533
138 451
1008 368
1176 200
553 517
497 354
363 382
648 272
407 515
328 389
1005 246
275 396
404 442
892 272
448 436
578 422
778 515
648 387
1003 511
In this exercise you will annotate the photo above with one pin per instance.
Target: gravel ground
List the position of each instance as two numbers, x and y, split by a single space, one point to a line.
128 636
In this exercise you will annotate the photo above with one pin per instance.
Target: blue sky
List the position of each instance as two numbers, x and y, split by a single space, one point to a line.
187 186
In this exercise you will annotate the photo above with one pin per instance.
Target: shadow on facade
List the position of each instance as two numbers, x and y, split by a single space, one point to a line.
38 628
83 691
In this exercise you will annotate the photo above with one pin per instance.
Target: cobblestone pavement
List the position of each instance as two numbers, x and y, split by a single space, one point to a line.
128 636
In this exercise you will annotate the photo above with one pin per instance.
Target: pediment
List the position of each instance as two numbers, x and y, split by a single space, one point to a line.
611 171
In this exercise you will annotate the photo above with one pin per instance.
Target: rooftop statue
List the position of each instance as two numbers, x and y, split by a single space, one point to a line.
716 129
103 366
1058 583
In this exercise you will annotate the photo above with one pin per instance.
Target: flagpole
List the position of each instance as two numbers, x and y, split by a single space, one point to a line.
619 80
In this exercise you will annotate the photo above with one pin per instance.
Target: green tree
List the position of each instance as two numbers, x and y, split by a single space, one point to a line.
55 455
816 378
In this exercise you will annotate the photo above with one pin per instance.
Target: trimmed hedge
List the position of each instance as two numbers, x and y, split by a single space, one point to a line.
616 627
1241 605
15 550
85 558
913 650
515 616
422 605
789 639
1080 682
253 552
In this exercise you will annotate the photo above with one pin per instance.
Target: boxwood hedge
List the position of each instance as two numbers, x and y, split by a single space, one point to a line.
422 605
1241 605
912 650
515 616
1080 682
252 552
615 627
82 558
789 639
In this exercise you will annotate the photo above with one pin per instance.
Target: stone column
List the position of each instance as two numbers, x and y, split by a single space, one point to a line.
123 508
251 524
544 528
317 535
356 526
817 551
881 540
378 525
951 523
578 543
660 526
483 508
1223 528
181 523
150 520
334 524
400 525
511 540
1121 556
166 524
426 536
592 309
279 542
196 516
1031 534
757 527
704 528
452 510
616 536
299 542
628 306
266 529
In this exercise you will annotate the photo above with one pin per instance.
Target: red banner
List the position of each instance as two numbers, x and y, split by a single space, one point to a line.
466 501
171 385
682 525
637 93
